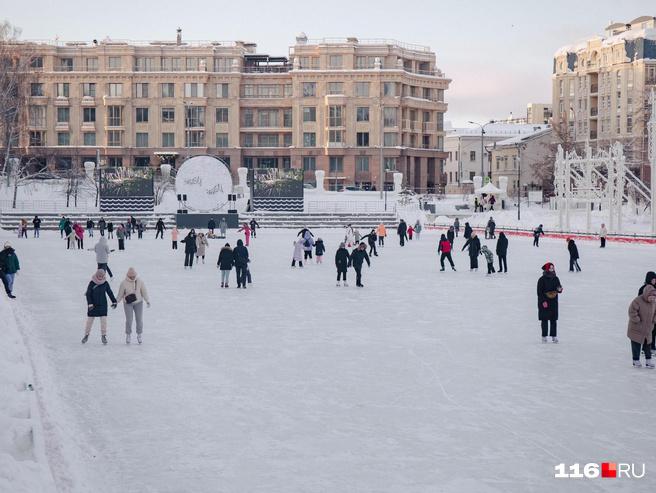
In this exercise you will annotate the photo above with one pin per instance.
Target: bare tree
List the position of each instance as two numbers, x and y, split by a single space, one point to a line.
21 172
75 179
543 169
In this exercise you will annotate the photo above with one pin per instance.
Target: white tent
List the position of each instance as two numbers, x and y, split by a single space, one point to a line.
488 189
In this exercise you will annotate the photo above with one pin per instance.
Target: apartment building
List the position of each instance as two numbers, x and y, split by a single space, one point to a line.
601 88
538 113
344 106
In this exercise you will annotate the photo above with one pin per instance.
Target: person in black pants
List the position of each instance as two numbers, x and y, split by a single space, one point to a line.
358 257
371 239
549 288
240 254
573 256
650 280
254 225
641 322
536 235
159 226
190 248
36 222
342 261
402 231
502 250
450 235
473 245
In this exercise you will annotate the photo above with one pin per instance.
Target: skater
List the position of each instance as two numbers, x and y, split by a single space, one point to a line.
468 231
79 236
381 232
319 250
308 243
9 266
127 230
190 249
133 293
201 244
358 257
102 255
489 258
247 233
418 228
211 226
110 230
174 238
492 202
402 231
357 235
71 238
491 226
97 292
349 236
101 226
548 289
473 244
120 236
536 235
141 227
90 226
502 250
297 255
603 232
456 226
475 204
444 247
450 235
241 263
342 262
254 225
650 280
62 223
573 255
411 231
223 227
36 223
642 317
371 239
159 227
224 264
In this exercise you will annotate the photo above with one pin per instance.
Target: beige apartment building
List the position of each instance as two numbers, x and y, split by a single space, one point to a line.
538 113
340 105
601 88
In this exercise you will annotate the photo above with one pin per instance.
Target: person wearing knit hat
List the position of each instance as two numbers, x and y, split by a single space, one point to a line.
97 292
549 288
133 293
9 266
342 261
642 317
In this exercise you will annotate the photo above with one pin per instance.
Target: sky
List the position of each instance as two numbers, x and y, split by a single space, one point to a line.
498 54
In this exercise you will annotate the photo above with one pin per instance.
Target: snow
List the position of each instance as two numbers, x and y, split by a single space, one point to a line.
421 381
497 129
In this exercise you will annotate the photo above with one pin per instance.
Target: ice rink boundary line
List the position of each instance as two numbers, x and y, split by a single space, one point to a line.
558 234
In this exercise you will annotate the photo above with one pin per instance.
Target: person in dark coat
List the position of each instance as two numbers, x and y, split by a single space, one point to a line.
102 225
358 257
254 225
502 250
110 230
90 226
444 247
402 231
319 250
456 226
450 235
573 256
372 238
537 232
491 226
225 263
97 292
211 226
468 231
473 245
159 226
342 262
190 248
9 266
549 288
650 280
36 222
240 254
302 232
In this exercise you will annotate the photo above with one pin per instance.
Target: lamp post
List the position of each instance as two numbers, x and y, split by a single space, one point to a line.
381 178
519 181
482 137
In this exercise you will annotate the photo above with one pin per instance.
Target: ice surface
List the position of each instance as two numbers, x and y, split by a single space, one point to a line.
420 382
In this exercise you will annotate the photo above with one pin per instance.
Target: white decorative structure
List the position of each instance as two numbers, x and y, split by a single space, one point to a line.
89 168
503 185
651 126
243 178
166 171
478 182
398 181
206 181
320 176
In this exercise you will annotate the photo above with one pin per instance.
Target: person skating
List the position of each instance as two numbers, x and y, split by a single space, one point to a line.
71 239
491 227
371 240
102 225
492 202
62 223
9 267
254 225
411 232
102 251
247 233
241 263
502 250
358 257
223 227
36 223
90 226
342 262
224 264
97 292
381 232
133 224
141 227
297 255
418 227
79 236
456 227
159 227
573 256
110 230
603 233
444 247
537 232
133 293
120 236
402 231
127 230
473 245
650 280
489 258
190 248
174 238
642 318
308 243
349 235
319 250
23 229
211 226
467 233
201 245
548 289
450 235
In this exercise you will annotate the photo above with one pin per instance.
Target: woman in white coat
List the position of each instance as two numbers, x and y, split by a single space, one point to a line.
133 293
298 252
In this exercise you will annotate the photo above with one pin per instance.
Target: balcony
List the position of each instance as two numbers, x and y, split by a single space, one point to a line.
88 101
61 101
411 126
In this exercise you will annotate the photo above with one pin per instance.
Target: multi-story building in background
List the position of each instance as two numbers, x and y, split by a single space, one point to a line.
601 88
349 107
538 113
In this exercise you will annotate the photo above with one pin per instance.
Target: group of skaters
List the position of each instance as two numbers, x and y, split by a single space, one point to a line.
406 233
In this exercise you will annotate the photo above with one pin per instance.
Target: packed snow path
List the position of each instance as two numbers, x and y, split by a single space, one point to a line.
421 381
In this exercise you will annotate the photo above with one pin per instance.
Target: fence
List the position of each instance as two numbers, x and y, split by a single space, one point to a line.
350 206
48 205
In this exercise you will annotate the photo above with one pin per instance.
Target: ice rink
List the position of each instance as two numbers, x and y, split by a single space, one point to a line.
423 381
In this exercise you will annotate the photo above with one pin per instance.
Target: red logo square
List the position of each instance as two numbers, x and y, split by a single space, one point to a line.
608 470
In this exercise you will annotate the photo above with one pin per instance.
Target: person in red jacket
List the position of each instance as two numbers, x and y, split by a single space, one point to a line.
410 232
445 248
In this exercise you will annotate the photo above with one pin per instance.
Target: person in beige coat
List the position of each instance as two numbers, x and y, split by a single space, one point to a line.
642 317
201 244
133 293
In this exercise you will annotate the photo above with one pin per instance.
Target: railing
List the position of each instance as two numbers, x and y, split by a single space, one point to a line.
351 206
371 41
47 205
125 42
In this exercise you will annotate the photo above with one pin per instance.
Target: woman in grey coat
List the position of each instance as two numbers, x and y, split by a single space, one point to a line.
102 255
223 227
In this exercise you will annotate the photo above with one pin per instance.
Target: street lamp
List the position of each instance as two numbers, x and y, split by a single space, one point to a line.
482 137
519 180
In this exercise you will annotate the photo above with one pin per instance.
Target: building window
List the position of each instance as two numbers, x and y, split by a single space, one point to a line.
309 139
144 64
336 164
472 155
92 64
335 62
287 140
115 161
267 140
390 139
309 163
389 163
195 138
222 115
89 90
141 161
88 115
389 117
142 139
37 138
115 116
362 89
267 118
115 89
63 138
335 88
63 115
194 90
141 89
248 118
114 63
168 90
286 162
247 140
362 139
389 88
362 163
65 65
168 115
362 114
222 140
62 89
192 64
194 117
36 62
142 115
36 89
114 138
309 114
89 139
168 139
364 62
287 117
309 89
336 136
222 64
37 116
335 116
222 90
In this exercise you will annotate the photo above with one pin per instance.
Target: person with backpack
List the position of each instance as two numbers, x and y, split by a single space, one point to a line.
358 257
642 318
502 250
190 248
489 258
402 231
224 264
444 247
90 226
36 223
133 293
573 256
308 243
241 263
96 295
473 245
319 250
297 255
468 231
342 262
537 232
159 227
549 288
102 251
9 267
